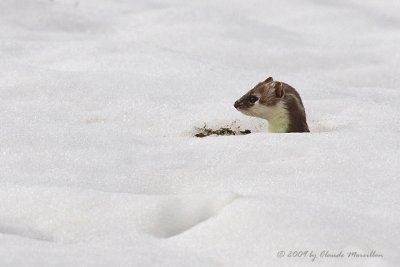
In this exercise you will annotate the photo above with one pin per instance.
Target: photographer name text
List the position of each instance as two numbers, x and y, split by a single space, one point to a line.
327 254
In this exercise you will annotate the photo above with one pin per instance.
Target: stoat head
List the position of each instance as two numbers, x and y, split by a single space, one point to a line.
265 100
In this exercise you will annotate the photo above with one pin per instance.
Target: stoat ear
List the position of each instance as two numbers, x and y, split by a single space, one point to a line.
279 91
269 79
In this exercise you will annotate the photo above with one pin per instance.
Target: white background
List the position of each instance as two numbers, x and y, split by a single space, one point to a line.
98 104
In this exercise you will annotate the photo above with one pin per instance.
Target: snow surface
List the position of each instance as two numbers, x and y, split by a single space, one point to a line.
99 100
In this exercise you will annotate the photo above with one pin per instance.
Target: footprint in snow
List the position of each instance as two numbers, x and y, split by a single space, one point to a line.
176 215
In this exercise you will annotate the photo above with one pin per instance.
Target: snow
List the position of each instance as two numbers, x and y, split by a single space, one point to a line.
98 105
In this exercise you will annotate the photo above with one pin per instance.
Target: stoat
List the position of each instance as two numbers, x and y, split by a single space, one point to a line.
277 102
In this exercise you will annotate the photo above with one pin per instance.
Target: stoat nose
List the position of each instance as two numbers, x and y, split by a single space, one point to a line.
236 105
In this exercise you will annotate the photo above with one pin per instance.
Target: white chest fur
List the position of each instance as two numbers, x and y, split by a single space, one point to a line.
277 116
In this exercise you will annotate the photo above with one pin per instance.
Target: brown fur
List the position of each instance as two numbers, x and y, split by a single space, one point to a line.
297 114
270 93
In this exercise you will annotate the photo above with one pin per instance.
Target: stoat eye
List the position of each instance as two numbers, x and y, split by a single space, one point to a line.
253 99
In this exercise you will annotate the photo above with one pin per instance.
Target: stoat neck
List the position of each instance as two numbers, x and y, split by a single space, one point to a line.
278 120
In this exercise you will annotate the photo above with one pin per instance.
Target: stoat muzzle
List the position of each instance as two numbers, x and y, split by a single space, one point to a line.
277 102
